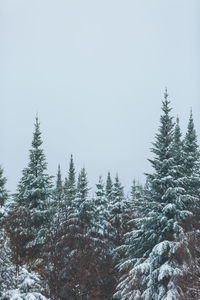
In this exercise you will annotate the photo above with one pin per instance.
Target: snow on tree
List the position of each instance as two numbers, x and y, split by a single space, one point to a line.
101 205
57 198
7 270
16 283
59 188
70 183
103 262
191 156
119 217
109 187
33 198
153 261
27 287
136 191
3 191
3 195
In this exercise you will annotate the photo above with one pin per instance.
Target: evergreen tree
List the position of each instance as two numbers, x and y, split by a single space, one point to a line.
103 262
178 151
191 156
7 270
136 191
109 187
27 286
118 213
153 261
59 188
33 198
70 257
3 191
70 184
56 201
16 283
3 196
101 205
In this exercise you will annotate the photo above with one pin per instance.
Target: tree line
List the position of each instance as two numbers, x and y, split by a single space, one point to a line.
59 242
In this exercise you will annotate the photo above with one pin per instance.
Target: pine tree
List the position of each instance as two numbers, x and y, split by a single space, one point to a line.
3 200
56 200
7 269
191 159
136 191
16 283
70 256
118 213
59 188
33 198
70 184
178 151
101 205
157 250
103 261
27 286
3 191
109 187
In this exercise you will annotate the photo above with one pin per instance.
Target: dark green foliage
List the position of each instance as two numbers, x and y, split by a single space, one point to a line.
59 188
83 246
109 187
3 191
153 262
33 198
136 191
70 184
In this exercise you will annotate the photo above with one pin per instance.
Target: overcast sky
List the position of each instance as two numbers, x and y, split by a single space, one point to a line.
95 71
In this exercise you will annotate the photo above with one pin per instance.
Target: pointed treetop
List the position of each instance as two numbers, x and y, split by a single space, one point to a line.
100 187
59 179
109 180
191 149
191 132
177 130
37 141
118 188
100 181
116 178
166 93
82 185
166 103
71 172
109 187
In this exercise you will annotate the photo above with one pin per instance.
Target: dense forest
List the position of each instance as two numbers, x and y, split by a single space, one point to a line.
59 242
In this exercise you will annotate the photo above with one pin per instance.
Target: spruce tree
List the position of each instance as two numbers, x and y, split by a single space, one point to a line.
33 198
70 255
103 262
59 188
178 151
57 197
157 250
109 187
101 205
70 184
191 156
136 191
118 213
3 190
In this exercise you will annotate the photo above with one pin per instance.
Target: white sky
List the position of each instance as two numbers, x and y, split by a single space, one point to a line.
95 71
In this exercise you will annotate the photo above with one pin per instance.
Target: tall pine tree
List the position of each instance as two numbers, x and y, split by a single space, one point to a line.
157 251
33 199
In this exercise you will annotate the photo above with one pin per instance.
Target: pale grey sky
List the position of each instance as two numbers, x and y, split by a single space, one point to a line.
95 71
